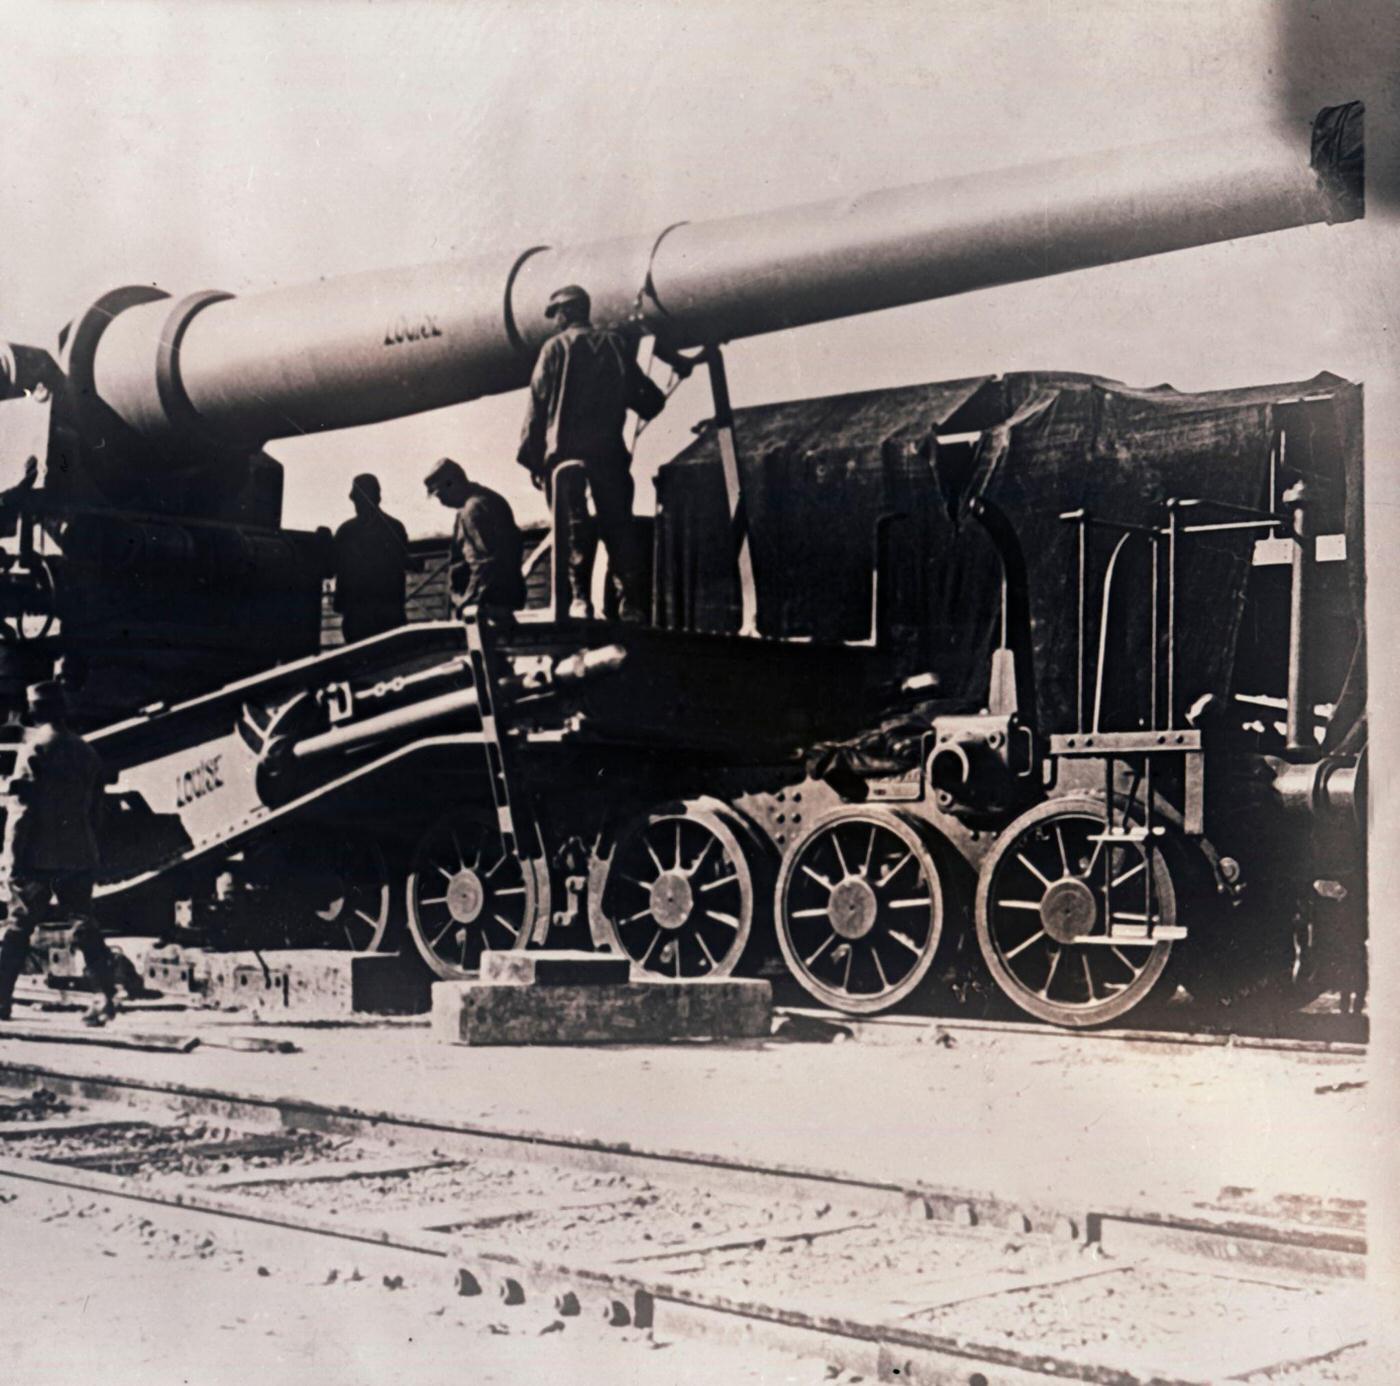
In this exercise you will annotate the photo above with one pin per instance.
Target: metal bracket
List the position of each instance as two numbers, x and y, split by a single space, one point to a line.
733 488
519 831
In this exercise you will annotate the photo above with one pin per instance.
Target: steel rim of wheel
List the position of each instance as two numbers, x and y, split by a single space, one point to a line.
678 898
860 911
359 910
1042 888
468 895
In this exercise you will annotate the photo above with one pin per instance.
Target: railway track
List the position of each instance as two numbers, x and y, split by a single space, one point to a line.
1335 1035
893 1282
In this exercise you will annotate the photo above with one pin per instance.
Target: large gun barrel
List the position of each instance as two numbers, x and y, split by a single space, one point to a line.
374 346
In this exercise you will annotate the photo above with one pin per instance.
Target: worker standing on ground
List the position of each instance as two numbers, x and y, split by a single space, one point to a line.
484 565
371 555
585 381
50 848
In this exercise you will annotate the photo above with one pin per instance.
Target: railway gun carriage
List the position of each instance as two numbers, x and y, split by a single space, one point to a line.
1040 663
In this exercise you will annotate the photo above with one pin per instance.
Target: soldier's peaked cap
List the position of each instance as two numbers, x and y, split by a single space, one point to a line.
444 469
570 293
49 693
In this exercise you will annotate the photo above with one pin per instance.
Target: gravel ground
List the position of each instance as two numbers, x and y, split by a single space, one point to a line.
130 1300
177 1151
1179 1320
886 1267
39 1105
1352 1367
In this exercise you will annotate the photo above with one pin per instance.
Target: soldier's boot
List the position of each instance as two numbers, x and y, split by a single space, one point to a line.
126 976
14 949
631 607
100 965
583 550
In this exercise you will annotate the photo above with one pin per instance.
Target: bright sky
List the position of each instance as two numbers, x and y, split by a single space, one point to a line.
242 146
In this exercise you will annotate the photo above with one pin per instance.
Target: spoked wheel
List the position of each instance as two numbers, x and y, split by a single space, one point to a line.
28 601
676 895
467 894
1041 921
859 910
329 890
354 905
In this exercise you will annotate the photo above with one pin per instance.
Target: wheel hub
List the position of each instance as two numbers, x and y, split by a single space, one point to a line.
853 908
672 899
1069 911
465 896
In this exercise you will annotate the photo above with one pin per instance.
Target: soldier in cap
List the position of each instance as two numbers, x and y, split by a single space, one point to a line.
484 566
371 552
50 847
584 383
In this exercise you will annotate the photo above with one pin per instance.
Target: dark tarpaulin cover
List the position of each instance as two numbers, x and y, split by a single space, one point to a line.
817 474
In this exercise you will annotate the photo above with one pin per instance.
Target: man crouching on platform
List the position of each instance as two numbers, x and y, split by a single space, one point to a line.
50 854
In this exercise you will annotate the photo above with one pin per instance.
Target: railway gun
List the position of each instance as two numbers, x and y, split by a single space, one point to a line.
979 677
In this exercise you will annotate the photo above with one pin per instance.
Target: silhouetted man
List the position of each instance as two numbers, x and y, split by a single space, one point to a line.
371 553
487 547
50 847
584 383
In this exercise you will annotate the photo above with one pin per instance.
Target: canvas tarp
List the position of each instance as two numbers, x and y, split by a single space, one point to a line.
818 474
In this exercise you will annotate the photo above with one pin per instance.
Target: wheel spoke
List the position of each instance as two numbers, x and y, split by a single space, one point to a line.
908 904
1064 856
505 923
879 967
704 852
723 918
1020 905
437 937
504 856
656 861
811 914
1093 858
433 900
905 940
840 855
819 878
678 845
1088 974
1054 963
1129 874
510 890
368 918
461 856
723 880
705 949
869 852
1021 947
894 870
846 976
651 948
1126 961
1033 869
807 962
641 914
